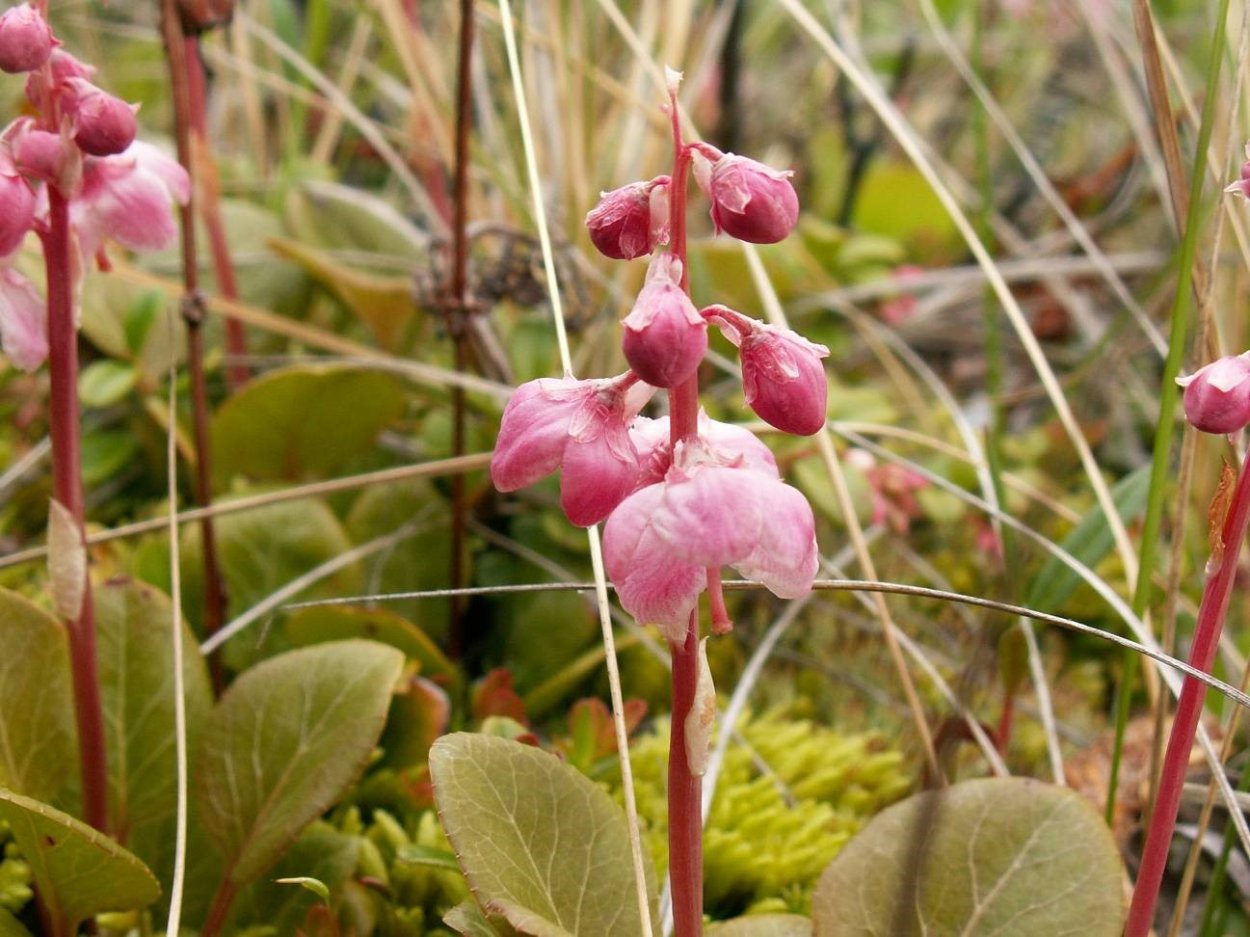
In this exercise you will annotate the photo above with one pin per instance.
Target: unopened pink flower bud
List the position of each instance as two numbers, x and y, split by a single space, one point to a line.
17 208
665 337
630 221
41 154
784 381
1217 396
750 201
104 125
26 39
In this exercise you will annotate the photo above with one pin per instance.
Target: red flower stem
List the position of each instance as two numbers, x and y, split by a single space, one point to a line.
209 197
67 482
1211 613
685 790
685 795
177 47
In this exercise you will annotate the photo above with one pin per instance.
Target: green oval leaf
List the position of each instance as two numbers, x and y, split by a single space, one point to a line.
995 856
539 843
135 645
318 624
38 749
306 421
104 383
284 743
78 872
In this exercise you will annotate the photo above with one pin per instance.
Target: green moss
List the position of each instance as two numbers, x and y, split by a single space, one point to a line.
786 802
15 890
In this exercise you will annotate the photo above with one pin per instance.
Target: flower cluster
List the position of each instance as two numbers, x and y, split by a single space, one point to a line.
80 143
682 497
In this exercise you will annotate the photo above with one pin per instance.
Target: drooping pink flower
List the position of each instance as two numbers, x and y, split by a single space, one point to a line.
750 201
893 489
17 206
579 427
26 39
1217 396
735 444
665 337
1242 185
104 125
128 198
45 157
23 321
709 511
630 221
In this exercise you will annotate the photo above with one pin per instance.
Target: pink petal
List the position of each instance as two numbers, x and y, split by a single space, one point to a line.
785 558
594 478
710 517
535 431
23 321
651 585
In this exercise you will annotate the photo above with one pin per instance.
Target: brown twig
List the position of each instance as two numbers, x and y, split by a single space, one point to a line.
193 311
457 310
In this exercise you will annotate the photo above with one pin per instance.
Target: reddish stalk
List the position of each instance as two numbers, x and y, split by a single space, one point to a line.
1211 613
220 908
67 480
193 313
457 312
685 790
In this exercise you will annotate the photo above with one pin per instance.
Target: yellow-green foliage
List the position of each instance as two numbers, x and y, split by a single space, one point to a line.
785 804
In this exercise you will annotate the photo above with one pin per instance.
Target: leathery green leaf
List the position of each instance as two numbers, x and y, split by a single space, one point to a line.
540 844
37 734
285 741
303 421
993 856
135 645
78 872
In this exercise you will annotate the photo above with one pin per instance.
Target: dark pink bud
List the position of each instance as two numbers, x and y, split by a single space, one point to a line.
17 209
750 201
784 380
665 337
104 125
630 221
1217 396
26 39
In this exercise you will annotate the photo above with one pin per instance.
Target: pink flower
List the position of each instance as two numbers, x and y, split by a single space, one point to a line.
17 206
23 321
26 39
630 221
128 198
1217 396
1242 185
579 427
710 510
750 201
46 156
734 443
665 337
104 125
893 489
